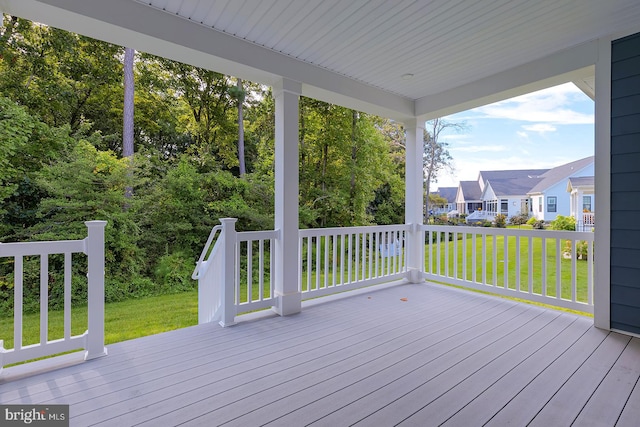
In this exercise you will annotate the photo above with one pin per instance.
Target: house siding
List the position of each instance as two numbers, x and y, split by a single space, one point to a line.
625 185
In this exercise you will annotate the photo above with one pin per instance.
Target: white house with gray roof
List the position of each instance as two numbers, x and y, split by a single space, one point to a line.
550 197
543 193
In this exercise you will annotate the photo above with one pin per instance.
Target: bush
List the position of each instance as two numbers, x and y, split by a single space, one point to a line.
564 223
536 223
500 221
582 249
519 219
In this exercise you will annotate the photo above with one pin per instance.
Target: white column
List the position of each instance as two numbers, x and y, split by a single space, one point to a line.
414 198
602 237
94 249
288 297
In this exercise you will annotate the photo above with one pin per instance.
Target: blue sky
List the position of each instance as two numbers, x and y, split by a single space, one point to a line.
539 130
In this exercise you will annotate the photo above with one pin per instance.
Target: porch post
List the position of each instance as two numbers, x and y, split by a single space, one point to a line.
414 198
288 298
602 235
94 249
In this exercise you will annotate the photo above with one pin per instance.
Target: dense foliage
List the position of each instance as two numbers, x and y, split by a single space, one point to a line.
61 160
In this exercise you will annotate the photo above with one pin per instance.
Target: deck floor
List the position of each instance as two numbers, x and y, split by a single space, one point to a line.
415 355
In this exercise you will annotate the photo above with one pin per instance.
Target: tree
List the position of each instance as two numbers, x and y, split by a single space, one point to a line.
239 95
436 156
128 111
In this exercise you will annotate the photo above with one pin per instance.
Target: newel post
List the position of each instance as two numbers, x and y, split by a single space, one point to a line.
94 248
228 305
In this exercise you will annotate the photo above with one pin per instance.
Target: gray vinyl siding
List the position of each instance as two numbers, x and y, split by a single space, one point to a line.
625 184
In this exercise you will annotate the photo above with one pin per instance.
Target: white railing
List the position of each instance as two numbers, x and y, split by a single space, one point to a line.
339 259
586 222
481 215
92 340
551 267
234 275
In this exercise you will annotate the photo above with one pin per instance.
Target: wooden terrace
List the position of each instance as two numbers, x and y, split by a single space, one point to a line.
409 354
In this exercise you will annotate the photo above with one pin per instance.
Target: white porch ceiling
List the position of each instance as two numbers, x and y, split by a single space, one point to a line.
356 52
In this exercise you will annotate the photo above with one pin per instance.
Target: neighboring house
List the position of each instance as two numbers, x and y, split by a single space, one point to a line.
505 191
550 197
449 194
582 201
468 197
543 193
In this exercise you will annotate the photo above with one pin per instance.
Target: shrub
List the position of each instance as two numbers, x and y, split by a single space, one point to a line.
500 221
582 249
564 223
519 219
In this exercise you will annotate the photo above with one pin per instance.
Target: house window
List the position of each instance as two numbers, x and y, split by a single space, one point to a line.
586 203
539 204
504 207
552 204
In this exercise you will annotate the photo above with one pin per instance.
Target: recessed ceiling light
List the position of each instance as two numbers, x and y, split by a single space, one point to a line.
407 76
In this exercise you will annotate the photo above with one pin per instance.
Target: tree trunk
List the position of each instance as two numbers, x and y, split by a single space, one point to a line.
243 169
127 131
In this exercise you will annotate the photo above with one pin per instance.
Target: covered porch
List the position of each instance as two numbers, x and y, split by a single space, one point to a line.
413 352
409 354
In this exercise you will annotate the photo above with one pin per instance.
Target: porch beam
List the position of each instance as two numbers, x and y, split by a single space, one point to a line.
414 195
287 99
562 67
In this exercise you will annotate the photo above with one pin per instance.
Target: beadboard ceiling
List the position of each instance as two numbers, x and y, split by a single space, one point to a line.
402 50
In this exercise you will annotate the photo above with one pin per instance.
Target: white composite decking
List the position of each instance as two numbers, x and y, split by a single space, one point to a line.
443 356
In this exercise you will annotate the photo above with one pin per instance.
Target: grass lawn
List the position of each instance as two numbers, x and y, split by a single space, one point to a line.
123 320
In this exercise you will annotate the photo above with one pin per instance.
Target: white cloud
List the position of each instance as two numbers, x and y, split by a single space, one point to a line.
522 134
551 106
540 128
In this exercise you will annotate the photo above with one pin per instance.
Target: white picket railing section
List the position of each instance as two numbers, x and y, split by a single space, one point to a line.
339 259
92 340
536 265
234 275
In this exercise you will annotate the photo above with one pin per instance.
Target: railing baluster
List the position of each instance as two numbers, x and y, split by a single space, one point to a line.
473 257
318 264
327 240
356 267
18 283
495 260
309 261
543 268
518 270
261 269
590 273
446 254
67 295
530 271
44 298
574 269
464 256
335 259
558 270
505 262
438 252
484 258
250 271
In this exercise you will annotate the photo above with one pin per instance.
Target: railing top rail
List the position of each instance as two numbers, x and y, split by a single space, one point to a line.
205 251
42 248
350 230
244 236
491 231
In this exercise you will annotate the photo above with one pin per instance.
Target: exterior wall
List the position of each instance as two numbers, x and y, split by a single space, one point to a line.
537 212
625 184
563 206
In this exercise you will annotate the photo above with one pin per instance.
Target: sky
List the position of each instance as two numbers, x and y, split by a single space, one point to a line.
539 130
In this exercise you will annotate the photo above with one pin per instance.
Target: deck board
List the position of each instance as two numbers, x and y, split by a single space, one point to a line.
412 354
